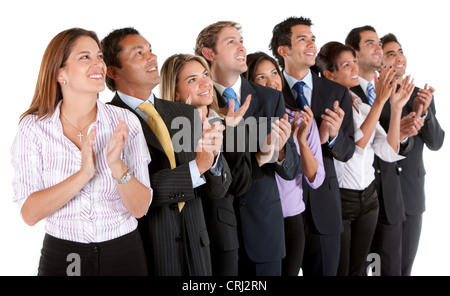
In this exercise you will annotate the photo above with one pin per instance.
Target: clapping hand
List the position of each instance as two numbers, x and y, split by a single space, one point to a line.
300 131
331 123
423 100
115 147
400 97
234 117
385 85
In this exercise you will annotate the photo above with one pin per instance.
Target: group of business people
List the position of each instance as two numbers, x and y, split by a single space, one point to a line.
246 165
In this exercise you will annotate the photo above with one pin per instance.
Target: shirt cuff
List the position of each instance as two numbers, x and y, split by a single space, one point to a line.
197 179
331 144
216 169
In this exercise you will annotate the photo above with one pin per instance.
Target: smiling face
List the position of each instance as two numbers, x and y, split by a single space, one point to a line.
370 51
193 80
347 70
139 73
302 53
230 54
393 56
266 74
84 70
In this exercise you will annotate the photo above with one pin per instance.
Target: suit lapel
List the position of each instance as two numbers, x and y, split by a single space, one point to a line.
360 93
288 96
316 97
150 137
165 113
247 89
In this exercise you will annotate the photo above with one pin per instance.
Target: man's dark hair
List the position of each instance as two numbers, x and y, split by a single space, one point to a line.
354 37
282 33
111 50
388 38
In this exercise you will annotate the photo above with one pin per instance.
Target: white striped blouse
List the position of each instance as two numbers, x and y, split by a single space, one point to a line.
43 157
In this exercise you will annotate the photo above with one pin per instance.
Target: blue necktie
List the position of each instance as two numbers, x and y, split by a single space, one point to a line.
229 94
370 93
301 100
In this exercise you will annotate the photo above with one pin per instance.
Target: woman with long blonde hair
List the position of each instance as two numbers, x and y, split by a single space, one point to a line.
186 78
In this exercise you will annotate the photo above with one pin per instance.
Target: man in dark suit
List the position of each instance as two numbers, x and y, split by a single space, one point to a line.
173 231
259 210
412 177
293 44
387 238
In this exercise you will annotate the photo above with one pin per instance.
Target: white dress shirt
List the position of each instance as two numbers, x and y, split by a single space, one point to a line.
236 87
307 88
43 157
358 172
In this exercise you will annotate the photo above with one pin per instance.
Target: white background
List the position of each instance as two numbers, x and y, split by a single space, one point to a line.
172 27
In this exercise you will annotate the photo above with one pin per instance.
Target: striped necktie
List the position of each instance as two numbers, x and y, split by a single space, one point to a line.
159 128
370 93
301 100
229 94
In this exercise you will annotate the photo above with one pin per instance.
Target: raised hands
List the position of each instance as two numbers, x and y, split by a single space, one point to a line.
398 100
274 146
423 100
209 145
413 122
331 123
385 85
410 125
115 147
300 131
88 156
400 97
233 118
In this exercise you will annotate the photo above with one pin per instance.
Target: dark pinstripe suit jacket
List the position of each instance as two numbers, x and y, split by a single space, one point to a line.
175 243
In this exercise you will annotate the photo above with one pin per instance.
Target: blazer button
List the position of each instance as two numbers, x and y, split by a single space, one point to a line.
399 170
378 171
179 239
242 204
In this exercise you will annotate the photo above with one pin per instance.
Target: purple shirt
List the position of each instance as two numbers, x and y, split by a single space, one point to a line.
291 192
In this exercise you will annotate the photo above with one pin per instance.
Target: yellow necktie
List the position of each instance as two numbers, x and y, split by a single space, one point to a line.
156 123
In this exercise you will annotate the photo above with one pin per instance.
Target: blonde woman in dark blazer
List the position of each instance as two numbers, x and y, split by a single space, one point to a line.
186 78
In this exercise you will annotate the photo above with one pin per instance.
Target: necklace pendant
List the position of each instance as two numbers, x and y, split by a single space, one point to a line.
80 135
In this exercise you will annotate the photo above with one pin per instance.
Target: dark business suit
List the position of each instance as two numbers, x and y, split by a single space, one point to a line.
323 214
412 180
259 210
175 243
218 206
387 238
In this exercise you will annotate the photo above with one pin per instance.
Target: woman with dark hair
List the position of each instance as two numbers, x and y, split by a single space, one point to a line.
356 178
263 69
81 165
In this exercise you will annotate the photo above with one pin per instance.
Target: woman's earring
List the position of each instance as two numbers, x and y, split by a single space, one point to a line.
64 82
